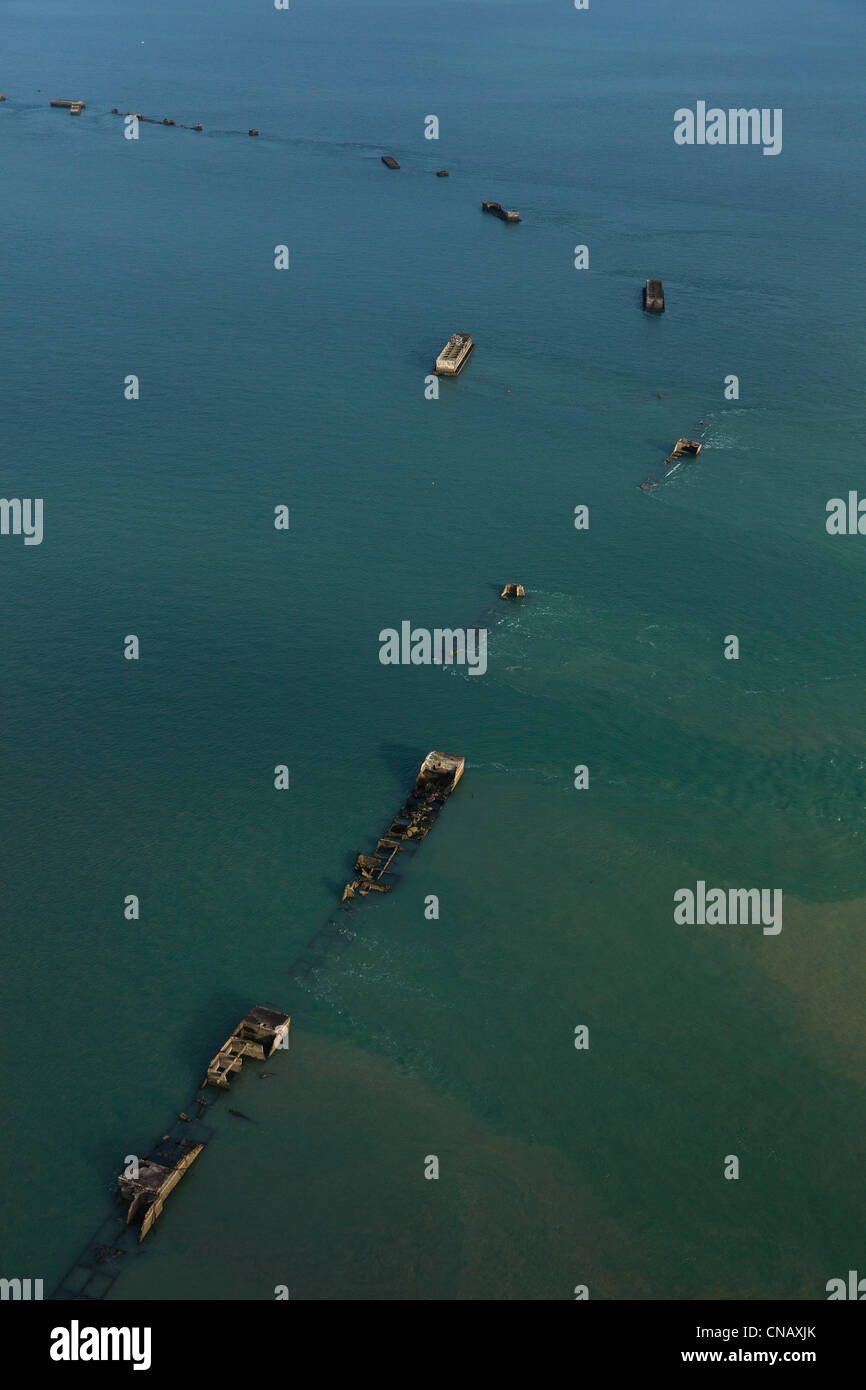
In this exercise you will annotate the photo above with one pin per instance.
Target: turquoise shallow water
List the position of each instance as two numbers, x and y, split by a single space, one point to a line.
307 388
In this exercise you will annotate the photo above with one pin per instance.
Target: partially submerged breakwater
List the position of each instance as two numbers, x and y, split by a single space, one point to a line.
437 777
146 1182
156 120
152 1178
684 448
338 933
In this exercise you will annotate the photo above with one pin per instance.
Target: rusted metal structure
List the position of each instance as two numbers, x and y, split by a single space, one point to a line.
390 161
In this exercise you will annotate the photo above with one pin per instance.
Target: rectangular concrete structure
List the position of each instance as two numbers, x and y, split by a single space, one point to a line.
654 297
256 1036
454 356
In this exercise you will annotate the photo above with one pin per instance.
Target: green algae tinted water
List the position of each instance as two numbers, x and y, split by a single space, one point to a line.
451 1037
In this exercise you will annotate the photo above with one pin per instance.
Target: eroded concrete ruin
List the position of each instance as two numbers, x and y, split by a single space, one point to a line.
437 777
257 1036
654 297
499 211
154 1179
684 448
